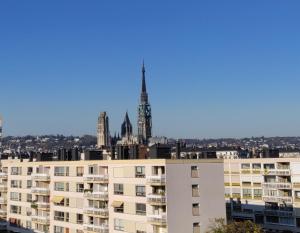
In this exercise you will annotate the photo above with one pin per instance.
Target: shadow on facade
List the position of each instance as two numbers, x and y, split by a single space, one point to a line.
272 217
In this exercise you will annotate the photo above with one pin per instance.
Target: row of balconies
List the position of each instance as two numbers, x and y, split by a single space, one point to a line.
41 219
277 185
40 191
157 219
96 228
278 199
101 212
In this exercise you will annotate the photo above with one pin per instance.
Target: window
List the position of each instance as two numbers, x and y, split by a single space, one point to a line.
15 209
247 193
16 184
245 165
59 186
257 193
15 196
140 209
118 224
67 187
28 224
61 216
29 184
256 166
61 171
16 171
58 229
91 170
196 227
140 191
79 218
195 190
139 172
79 187
29 197
79 171
194 171
196 210
29 171
118 189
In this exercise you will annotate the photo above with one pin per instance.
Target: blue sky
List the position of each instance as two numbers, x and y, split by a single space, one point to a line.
213 68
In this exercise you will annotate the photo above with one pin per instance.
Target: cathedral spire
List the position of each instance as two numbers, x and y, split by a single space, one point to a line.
144 113
144 89
144 95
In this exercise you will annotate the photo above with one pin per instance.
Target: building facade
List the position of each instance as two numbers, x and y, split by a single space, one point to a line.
103 137
144 113
264 190
111 196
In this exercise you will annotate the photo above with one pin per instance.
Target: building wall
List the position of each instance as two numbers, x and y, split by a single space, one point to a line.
165 181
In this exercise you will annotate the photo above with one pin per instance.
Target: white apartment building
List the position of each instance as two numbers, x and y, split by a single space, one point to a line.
265 190
111 196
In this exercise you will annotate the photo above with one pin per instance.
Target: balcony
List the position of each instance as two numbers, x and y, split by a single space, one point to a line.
40 177
242 214
40 191
41 219
3 175
156 199
96 195
157 180
41 205
279 213
3 200
277 172
94 228
100 212
277 199
157 219
277 185
3 213
96 178
3 187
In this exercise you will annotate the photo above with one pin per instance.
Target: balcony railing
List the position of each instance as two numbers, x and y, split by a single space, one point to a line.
156 180
278 172
3 200
3 212
96 195
40 176
101 212
277 199
41 219
41 191
156 199
279 213
42 205
3 187
277 185
160 219
96 178
94 228
3 175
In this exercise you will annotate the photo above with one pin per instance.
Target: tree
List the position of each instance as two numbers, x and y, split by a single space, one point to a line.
219 226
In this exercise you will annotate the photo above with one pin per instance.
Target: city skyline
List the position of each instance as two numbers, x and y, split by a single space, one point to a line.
225 70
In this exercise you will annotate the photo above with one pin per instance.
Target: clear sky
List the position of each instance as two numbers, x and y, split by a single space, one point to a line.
213 68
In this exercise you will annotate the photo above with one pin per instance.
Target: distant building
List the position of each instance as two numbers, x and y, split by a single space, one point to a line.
103 138
126 128
144 114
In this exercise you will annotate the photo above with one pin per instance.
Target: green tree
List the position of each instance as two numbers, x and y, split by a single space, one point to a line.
219 226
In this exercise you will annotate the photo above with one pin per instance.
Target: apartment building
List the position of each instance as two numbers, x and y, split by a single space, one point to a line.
111 196
264 190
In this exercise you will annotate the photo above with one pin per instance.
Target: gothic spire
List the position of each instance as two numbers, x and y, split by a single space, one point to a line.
144 95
